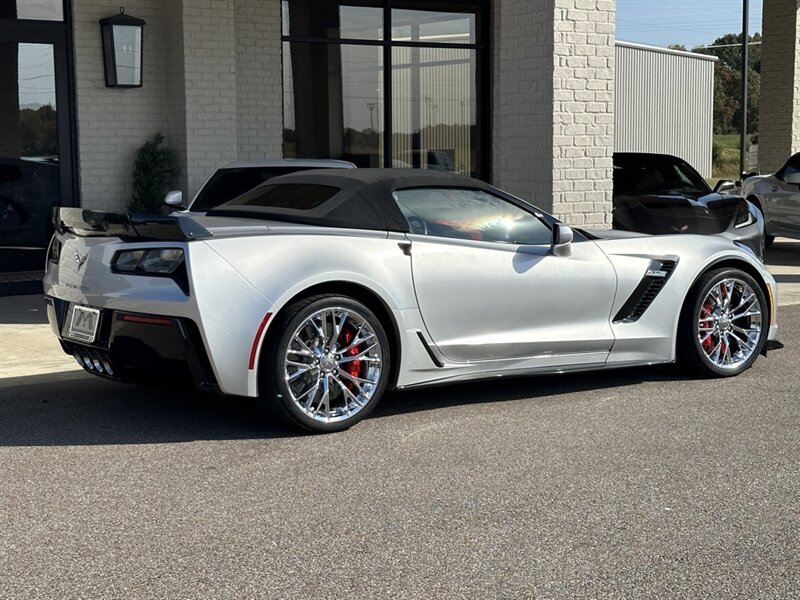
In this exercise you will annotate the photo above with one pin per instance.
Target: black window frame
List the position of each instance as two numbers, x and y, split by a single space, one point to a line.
482 47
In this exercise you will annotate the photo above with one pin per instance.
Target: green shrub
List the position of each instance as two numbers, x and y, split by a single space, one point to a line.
151 172
716 151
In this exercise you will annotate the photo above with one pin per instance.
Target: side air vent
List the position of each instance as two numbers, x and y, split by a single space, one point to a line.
642 297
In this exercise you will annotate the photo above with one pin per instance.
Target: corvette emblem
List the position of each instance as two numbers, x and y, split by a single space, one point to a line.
81 260
680 229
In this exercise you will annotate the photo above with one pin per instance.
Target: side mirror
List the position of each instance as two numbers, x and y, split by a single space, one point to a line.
562 238
792 178
174 198
724 185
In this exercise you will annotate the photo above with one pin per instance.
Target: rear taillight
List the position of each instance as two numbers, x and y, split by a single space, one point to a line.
54 251
158 261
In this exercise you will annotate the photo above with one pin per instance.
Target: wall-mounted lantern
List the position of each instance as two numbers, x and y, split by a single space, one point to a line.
122 49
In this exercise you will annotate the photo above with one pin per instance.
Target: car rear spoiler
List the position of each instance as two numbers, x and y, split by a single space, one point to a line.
133 227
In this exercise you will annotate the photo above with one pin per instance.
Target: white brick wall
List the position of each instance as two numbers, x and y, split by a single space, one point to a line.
779 121
259 86
212 86
554 105
113 122
583 111
209 56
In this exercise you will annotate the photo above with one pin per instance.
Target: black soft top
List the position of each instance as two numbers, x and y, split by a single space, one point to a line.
347 198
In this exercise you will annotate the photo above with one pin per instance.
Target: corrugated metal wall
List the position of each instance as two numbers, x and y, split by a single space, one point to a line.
664 103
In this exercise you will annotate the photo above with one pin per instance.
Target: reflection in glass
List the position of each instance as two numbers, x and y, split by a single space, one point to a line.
29 168
433 27
46 10
332 104
128 51
434 109
336 20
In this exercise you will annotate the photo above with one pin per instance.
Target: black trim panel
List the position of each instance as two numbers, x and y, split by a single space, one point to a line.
642 297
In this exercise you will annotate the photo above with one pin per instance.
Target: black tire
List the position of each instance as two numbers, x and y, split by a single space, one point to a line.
690 348
277 395
767 240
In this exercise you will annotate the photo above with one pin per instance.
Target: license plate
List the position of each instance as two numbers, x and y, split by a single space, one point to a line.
83 323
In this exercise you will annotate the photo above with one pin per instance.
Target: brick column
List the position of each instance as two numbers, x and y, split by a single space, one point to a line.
779 121
209 57
554 105
259 85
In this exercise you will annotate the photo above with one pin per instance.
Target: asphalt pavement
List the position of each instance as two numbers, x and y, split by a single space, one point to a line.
641 483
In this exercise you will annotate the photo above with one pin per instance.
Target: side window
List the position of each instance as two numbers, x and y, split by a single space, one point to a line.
792 166
469 214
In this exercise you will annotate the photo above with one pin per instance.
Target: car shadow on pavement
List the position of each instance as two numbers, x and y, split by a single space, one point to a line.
531 387
75 408
784 252
784 278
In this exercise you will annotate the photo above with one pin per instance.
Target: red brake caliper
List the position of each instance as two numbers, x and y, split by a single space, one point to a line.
705 316
353 368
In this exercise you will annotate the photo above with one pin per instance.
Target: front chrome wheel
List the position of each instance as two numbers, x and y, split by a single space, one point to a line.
730 323
333 364
724 323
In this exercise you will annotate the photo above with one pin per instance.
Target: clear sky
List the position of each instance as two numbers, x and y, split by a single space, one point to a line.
688 22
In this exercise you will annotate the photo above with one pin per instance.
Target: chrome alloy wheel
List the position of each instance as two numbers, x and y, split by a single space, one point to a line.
729 323
333 364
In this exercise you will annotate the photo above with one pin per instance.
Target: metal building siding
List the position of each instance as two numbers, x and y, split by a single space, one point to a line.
664 103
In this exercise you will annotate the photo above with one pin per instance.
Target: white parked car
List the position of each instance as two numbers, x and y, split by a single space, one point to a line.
778 198
317 291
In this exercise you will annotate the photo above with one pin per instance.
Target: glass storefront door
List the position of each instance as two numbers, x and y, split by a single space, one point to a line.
35 141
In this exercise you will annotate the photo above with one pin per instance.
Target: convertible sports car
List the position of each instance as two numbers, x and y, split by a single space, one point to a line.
659 193
317 291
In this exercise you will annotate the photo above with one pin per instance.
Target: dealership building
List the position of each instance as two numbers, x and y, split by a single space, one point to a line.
518 93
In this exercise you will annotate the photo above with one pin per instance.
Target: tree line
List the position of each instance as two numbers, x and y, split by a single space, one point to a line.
728 81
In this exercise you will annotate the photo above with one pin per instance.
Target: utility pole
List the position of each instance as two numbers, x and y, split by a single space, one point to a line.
745 70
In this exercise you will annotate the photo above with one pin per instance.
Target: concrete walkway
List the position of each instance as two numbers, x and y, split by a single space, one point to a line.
28 346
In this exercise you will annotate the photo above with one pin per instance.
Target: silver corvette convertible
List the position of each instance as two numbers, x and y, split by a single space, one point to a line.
317 291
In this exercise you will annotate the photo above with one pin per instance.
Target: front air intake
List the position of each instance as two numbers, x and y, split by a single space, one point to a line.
642 297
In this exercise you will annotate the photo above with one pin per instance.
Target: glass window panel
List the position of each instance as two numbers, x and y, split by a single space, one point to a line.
311 18
470 214
128 50
433 26
29 165
298 196
44 10
333 103
434 109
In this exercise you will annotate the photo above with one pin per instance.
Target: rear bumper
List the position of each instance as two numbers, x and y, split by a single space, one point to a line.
132 346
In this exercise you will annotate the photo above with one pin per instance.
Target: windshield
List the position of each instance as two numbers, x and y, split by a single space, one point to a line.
636 174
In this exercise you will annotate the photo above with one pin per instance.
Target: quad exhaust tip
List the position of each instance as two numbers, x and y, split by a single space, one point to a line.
92 360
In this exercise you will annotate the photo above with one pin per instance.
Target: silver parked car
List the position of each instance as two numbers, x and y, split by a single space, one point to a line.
778 198
317 291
